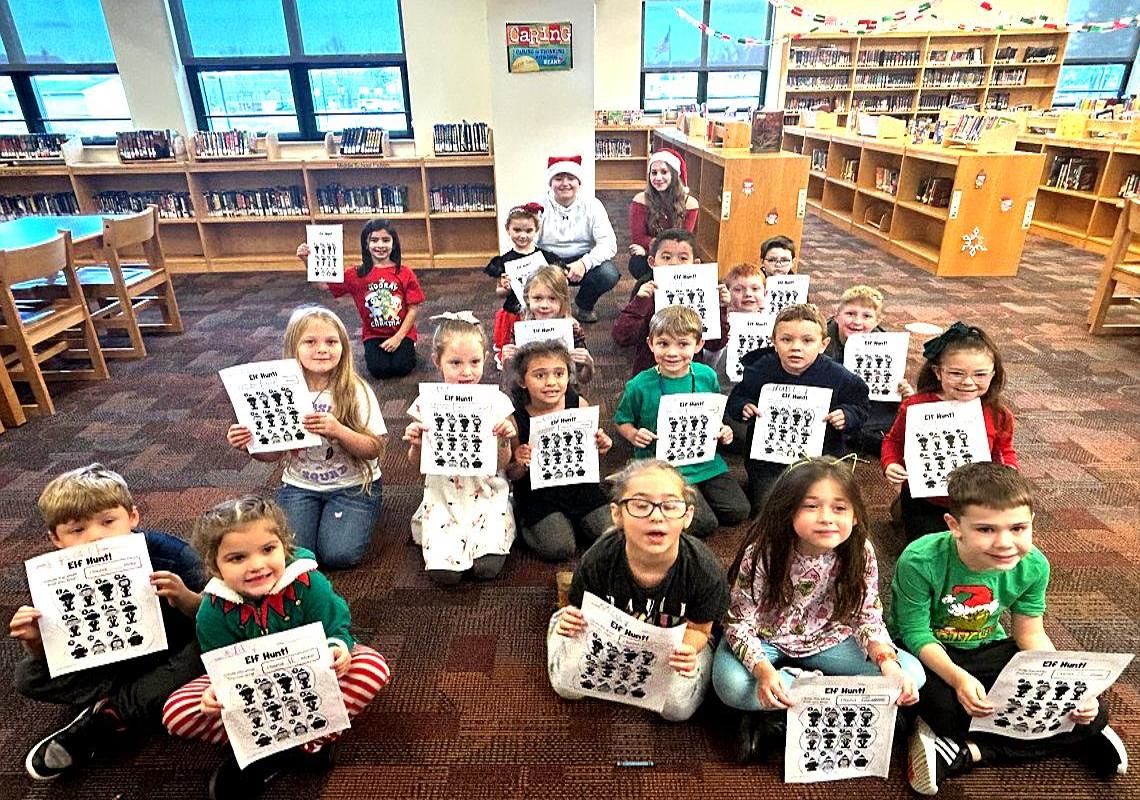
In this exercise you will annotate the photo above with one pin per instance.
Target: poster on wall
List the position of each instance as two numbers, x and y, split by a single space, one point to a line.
539 47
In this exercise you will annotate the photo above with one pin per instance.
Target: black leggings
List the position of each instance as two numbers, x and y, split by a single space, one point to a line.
382 364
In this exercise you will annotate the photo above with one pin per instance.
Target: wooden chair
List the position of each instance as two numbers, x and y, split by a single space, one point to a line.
32 334
121 289
1117 270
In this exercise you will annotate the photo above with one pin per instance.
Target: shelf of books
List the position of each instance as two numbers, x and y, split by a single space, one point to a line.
911 74
743 197
951 211
621 155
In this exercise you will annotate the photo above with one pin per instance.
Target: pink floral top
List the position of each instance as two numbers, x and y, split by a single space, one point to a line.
806 627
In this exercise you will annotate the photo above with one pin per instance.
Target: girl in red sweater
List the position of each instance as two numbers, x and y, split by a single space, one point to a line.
665 203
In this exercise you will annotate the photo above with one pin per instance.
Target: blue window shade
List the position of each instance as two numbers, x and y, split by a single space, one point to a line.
71 32
226 28
1089 82
738 18
350 27
670 41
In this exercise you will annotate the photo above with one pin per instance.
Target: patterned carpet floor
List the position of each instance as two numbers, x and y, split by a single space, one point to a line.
469 713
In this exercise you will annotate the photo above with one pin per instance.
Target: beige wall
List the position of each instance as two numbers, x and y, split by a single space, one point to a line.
617 80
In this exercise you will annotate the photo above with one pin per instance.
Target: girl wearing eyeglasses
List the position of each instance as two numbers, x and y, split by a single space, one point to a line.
650 569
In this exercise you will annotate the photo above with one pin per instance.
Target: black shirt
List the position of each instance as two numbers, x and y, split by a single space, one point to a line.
497 267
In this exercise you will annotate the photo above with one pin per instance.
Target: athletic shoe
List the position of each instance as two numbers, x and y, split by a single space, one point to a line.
932 759
1105 754
231 782
582 315
744 752
74 744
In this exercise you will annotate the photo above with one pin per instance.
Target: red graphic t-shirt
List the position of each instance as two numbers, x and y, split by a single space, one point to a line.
382 297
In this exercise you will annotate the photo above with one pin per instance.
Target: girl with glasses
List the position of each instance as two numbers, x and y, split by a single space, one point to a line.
778 256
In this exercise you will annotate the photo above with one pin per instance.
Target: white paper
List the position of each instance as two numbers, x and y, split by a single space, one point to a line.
790 422
626 660
781 291
543 330
520 270
563 450
271 398
692 285
458 439
687 427
747 331
939 438
880 360
1037 689
277 691
96 604
326 253
839 727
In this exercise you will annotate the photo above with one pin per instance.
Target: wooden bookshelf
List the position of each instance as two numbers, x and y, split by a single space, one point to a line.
910 74
204 242
625 172
732 220
933 237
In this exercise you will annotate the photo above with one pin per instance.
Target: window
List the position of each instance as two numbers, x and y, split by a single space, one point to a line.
1097 65
57 71
680 65
301 68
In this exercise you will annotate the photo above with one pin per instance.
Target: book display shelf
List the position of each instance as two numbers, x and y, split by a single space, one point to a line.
621 155
951 211
744 197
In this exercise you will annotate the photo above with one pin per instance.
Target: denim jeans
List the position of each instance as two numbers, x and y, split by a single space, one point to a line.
336 525
736 686
595 283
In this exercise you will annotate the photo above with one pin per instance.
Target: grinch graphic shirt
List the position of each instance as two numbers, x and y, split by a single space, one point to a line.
937 598
382 297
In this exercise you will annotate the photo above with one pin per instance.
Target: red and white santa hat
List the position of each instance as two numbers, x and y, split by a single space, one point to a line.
556 165
674 160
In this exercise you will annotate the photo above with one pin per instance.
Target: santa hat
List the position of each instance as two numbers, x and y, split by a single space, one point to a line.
674 160
555 165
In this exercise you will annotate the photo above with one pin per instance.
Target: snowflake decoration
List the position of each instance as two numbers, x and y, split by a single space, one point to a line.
973 242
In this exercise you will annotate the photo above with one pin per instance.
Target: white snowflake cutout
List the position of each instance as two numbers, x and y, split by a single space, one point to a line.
973 242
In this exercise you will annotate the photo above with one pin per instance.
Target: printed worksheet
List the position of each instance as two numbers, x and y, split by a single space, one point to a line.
563 450
542 330
687 427
790 422
839 727
326 253
781 291
458 439
277 691
692 285
626 660
520 271
271 398
1037 690
747 331
879 358
96 603
940 437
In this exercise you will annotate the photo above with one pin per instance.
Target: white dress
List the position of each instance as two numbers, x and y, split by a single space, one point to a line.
464 517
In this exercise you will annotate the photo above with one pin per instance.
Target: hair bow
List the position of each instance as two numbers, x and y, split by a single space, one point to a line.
530 208
461 316
955 333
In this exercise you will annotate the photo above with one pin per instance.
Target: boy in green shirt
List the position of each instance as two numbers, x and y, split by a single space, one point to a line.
948 595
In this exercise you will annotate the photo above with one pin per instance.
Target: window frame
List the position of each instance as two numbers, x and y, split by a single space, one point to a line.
1095 61
296 62
703 69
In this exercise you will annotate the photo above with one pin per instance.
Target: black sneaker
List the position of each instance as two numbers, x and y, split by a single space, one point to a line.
231 782
769 729
1105 753
72 745
932 759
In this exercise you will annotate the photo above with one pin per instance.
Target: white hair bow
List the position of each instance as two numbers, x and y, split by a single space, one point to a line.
463 316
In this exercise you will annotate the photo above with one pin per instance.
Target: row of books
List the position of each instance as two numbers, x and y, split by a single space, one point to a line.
819 159
618 116
970 127
836 103
1009 77
145 145
903 79
887 180
1130 186
463 197
377 199
220 144
968 55
607 147
888 58
933 102
818 57
27 146
269 201
22 205
1073 172
837 81
1040 54
934 191
891 102
462 137
1005 54
924 130
952 77
171 205
997 101
850 169
362 141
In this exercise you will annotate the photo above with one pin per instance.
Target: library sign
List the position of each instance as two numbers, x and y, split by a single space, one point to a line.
539 46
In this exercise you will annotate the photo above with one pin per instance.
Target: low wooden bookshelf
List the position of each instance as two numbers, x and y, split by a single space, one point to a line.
621 156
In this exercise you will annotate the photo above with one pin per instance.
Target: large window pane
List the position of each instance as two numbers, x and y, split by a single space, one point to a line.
248 93
338 27
669 89
734 89
669 40
1089 81
358 96
11 116
1113 45
82 98
71 32
229 28
393 123
739 18
256 123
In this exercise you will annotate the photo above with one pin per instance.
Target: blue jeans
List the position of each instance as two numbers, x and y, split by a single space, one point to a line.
336 525
595 283
736 686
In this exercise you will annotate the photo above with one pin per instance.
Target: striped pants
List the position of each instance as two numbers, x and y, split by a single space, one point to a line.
367 675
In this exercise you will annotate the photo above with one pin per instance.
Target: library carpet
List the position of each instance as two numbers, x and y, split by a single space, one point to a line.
469 712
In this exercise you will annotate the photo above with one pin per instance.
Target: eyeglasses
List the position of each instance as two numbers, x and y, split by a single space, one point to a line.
781 261
640 508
